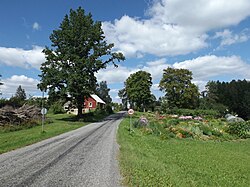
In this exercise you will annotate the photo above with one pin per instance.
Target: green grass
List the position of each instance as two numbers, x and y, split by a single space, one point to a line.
146 160
60 123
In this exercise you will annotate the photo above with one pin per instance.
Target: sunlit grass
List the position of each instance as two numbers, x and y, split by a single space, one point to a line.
146 160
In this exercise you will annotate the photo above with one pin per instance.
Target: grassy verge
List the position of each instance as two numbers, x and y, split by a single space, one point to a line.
58 124
146 160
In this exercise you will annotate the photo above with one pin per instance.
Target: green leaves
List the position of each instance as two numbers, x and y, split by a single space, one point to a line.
77 52
180 91
137 88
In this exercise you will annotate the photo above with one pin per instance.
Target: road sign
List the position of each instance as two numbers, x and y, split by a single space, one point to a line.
131 111
44 111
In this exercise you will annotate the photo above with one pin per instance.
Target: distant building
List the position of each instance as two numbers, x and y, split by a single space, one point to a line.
91 103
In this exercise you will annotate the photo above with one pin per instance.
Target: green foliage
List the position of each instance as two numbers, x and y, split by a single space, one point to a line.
102 91
108 109
37 102
194 112
28 124
172 122
124 97
235 95
56 108
241 129
75 56
20 93
137 87
15 102
179 90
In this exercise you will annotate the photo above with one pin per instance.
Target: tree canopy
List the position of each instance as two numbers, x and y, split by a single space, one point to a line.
179 90
20 93
77 52
235 95
137 88
123 96
102 91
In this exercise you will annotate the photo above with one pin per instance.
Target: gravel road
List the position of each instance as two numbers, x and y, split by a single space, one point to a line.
83 157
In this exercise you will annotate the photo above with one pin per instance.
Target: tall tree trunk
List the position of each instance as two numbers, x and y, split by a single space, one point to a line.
80 102
79 112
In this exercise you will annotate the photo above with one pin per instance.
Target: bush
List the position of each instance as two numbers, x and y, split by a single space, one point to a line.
56 108
241 129
173 122
108 109
195 112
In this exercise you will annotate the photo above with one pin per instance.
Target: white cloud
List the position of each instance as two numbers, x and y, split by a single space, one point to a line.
202 15
36 26
10 85
174 26
155 68
229 38
211 67
153 38
155 87
22 58
113 75
120 74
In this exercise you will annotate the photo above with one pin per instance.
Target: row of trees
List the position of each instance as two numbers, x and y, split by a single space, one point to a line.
179 91
17 100
234 96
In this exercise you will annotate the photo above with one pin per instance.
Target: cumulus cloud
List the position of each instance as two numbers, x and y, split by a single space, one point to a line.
174 27
211 67
36 26
228 37
19 57
120 74
10 85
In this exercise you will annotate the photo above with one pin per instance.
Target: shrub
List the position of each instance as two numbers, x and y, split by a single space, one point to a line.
173 122
195 112
108 109
141 122
241 129
206 129
56 108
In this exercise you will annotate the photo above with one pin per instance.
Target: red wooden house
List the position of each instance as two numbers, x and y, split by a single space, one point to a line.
91 103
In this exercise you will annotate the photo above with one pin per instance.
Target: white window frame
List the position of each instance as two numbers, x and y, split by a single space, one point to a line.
90 104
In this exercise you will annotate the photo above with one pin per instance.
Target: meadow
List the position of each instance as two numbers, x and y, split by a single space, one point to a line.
154 159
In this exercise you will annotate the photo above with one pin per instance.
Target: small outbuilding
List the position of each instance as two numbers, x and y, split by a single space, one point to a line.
91 103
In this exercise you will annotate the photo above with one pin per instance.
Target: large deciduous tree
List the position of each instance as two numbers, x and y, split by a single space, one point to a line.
102 91
137 88
77 52
179 90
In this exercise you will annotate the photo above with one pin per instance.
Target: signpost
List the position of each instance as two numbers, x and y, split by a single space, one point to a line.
43 112
130 113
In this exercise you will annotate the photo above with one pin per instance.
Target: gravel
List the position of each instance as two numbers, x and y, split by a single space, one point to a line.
84 157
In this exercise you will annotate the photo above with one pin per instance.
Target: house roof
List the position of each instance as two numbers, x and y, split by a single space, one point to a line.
98 99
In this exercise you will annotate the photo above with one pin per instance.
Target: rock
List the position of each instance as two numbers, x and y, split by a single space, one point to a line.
231 118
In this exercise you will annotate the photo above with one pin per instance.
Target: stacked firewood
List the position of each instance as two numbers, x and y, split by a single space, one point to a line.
11 116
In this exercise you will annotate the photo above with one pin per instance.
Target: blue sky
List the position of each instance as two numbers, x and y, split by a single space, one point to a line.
210 38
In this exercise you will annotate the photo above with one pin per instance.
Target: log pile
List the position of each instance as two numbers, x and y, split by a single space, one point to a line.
11 116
